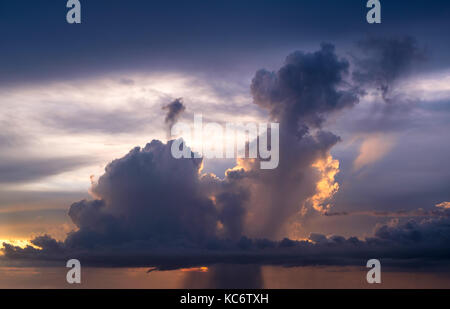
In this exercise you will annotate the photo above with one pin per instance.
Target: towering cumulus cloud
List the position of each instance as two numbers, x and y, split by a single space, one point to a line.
300 95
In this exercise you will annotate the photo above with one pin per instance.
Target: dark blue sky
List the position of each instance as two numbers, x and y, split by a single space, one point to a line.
196 36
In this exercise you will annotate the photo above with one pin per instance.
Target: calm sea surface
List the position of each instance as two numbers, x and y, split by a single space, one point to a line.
220 276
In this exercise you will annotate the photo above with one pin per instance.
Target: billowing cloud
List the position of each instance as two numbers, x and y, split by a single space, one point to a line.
146 196
305 89
300 95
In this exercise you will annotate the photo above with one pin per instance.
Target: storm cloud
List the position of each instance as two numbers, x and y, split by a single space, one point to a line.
150 209
305 89
300 96
146 195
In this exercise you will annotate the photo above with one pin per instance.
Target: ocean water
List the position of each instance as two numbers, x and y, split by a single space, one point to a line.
221 276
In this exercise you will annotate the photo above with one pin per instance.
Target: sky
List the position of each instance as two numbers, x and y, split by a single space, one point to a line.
86 110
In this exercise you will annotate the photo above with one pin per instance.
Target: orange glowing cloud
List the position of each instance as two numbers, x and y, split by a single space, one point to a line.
326 187
22 243
202 269
445 205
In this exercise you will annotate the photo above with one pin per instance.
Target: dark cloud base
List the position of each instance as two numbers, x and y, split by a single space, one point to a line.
411 244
